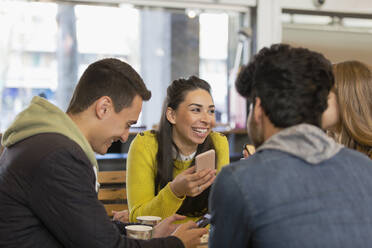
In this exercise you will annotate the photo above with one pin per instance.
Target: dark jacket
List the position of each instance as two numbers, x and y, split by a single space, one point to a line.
300 189
48 198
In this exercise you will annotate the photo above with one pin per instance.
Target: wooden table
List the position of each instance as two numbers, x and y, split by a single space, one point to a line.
204 239
203 246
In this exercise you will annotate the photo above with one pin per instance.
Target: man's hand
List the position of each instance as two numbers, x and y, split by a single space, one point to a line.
166 227
190 234
122 216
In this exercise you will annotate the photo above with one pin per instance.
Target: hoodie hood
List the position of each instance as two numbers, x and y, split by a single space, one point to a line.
304 141
43 117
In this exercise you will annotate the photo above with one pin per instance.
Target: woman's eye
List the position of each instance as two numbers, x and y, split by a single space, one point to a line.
195 110
212 111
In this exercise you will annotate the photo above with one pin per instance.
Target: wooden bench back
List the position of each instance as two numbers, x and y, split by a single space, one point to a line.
112 192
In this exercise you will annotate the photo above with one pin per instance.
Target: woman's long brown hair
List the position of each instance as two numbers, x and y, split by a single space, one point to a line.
353 88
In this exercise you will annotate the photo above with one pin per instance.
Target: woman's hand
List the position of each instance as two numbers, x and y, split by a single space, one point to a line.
191 183
122 216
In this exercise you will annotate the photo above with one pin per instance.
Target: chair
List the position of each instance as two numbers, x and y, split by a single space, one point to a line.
112 192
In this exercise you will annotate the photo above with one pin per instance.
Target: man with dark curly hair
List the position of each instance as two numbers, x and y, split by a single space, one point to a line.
300 188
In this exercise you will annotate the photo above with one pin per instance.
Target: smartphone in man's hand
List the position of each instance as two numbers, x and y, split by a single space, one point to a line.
205 160
204 221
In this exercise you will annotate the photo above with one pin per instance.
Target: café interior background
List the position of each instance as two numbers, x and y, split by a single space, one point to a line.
46 45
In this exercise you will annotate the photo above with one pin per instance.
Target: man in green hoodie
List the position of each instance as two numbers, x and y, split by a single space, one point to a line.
48 188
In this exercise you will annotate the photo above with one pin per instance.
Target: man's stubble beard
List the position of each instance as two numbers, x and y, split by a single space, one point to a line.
255 132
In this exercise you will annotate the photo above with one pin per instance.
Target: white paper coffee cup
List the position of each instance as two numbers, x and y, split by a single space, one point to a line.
139 231
149 220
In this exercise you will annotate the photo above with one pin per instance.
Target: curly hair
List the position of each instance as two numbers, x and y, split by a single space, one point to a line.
292 83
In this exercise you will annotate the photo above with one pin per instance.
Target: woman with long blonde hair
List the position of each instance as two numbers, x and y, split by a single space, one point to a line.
348 118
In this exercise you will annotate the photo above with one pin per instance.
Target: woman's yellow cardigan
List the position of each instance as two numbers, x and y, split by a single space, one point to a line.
141 171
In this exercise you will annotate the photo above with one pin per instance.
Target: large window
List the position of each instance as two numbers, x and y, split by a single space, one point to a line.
27 55
214 35
45 47
114 34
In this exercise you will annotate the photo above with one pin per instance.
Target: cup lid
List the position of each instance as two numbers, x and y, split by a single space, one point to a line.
138 228
148 217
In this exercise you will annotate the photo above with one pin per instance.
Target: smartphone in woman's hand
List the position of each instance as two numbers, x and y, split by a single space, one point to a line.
205 160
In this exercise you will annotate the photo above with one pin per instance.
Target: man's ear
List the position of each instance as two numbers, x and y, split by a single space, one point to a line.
258 111
103 107
171 115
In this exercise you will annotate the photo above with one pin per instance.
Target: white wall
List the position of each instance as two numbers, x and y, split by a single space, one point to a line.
348 6
336 45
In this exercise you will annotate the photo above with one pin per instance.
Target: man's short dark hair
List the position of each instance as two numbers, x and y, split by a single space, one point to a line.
292 83
108 77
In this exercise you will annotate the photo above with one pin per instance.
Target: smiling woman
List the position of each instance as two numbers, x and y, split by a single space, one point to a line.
193 120
161 177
